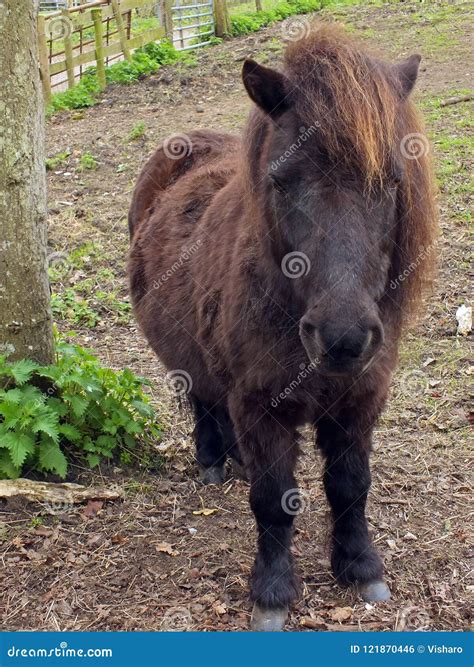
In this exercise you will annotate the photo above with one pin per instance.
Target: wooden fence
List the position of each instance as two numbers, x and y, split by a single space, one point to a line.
95 33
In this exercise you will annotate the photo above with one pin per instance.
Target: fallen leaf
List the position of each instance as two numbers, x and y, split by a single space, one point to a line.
313 623
166 548
92 508
220 608
341 613
205 511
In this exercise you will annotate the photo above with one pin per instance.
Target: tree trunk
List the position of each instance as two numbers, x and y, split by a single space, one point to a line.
25 309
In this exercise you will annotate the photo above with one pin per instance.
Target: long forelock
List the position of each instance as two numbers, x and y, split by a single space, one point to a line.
351 96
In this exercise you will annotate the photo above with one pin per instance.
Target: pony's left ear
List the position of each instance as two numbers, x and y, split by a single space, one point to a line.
407 72
266 87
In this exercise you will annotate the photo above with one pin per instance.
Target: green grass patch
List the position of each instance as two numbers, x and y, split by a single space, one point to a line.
137 131
251 21
144 61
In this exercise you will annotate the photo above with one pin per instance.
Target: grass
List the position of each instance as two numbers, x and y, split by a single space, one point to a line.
87 162
85 289
246 22
144 61
137 131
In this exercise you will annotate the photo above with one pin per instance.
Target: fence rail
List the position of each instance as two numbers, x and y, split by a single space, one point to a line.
95 33
81 33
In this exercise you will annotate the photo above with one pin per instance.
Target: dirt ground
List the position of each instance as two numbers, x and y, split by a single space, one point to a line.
150 562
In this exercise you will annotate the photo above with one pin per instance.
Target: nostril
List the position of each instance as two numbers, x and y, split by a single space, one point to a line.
307 327
348 346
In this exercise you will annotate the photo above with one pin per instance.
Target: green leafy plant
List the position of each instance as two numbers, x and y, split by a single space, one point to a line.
246 22
87 162
75 408
144 61
137 131
67 305
57 160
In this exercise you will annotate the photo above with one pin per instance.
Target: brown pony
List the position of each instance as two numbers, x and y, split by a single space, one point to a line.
272 275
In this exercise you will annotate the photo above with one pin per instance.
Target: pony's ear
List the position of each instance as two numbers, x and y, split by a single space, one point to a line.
407 71
266 87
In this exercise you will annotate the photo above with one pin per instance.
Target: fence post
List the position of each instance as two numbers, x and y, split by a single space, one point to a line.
121 29
99 46
68 48
44 59
221 18
167 17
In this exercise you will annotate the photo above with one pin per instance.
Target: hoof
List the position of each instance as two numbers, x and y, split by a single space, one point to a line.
375 591
212 475
268 620
238 471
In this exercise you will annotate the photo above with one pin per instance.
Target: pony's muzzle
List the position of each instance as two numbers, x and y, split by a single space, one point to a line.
341 347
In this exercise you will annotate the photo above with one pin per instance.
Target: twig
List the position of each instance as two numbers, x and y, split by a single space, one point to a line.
455 100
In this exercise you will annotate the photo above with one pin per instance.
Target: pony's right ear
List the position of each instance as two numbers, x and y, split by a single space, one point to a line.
266 87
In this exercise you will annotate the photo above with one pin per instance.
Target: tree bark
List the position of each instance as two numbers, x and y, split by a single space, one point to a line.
25 309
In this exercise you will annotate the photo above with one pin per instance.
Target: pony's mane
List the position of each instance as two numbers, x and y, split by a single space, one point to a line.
363 118
352 96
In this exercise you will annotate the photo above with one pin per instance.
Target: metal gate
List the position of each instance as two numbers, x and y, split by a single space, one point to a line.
193 23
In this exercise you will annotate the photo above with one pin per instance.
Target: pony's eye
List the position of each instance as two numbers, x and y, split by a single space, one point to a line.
277 184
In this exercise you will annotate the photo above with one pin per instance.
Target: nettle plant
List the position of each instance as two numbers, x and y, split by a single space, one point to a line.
73 409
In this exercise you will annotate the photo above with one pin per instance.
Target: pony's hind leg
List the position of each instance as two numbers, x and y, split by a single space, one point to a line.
346 447
211 451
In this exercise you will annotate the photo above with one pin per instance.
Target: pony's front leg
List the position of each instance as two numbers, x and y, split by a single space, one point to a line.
270 452
346 446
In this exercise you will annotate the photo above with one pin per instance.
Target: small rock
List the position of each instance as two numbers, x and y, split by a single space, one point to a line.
410 536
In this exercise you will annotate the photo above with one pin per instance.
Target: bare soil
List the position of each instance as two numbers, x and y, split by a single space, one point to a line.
150 562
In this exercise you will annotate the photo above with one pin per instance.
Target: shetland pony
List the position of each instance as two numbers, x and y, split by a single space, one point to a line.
273 273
